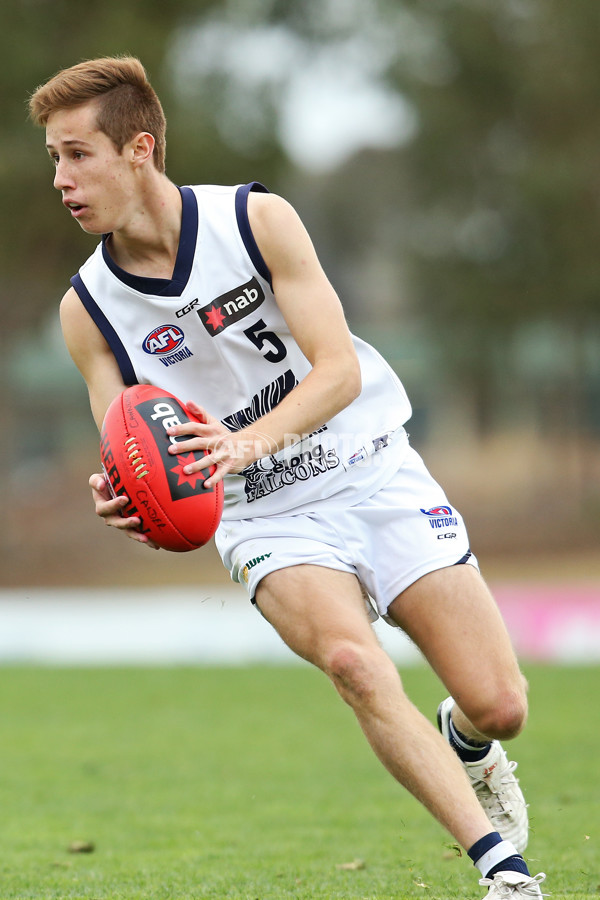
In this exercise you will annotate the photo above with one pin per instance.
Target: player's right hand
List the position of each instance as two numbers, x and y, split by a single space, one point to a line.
109 508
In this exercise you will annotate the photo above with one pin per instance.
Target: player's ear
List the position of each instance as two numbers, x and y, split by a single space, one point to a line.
141 147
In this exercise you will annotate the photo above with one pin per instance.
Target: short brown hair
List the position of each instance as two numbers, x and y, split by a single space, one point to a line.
127 104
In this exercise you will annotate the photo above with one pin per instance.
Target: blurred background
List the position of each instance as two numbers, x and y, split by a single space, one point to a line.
444 156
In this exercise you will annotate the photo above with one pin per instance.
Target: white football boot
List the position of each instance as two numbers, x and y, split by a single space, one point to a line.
496 786
513 884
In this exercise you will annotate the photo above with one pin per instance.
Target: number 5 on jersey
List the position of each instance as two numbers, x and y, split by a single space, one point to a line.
259 335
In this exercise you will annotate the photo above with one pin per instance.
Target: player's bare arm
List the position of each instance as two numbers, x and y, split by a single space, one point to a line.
316 320
313 313
96 362
91 354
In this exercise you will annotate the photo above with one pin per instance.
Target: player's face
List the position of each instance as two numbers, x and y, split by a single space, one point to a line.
96 180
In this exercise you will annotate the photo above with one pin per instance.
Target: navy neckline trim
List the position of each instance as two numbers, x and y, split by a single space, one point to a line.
166 287
241 212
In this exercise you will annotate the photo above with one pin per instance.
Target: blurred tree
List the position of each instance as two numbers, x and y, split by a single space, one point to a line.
485 211
39 247
476 216
443 155
505 199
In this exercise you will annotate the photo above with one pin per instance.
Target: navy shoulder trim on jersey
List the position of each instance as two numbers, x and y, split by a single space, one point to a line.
464 559
108 332
165 287
241 212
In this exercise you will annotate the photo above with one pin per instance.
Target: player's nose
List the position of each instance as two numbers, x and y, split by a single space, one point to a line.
62 176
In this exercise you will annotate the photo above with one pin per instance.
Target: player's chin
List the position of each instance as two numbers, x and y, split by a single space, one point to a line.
91 223
91 227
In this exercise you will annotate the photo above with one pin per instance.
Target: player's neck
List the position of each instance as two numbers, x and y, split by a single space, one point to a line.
148 242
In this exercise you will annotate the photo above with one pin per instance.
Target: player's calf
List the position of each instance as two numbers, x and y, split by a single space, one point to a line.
492 777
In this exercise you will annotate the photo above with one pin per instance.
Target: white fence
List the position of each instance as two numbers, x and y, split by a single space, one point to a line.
219 626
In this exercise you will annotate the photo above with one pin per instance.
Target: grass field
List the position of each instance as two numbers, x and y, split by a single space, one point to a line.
256 784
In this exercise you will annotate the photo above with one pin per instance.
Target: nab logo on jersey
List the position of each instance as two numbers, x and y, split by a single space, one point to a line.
231 307
164 340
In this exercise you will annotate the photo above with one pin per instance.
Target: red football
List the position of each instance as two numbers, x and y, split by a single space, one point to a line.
177 512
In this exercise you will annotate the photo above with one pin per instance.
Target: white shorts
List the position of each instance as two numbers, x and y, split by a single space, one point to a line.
402 532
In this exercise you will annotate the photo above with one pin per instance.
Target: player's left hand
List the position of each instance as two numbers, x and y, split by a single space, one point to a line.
111 509
229 451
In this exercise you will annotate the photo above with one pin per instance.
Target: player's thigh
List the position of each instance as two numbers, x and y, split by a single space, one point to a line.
316 610
452 617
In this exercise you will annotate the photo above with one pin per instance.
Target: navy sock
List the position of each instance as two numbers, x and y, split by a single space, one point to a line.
510 864
467 749
491 854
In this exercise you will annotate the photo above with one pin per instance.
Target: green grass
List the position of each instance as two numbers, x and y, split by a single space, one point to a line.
256 784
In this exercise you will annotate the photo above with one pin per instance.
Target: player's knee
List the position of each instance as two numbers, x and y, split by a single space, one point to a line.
352 669
505 718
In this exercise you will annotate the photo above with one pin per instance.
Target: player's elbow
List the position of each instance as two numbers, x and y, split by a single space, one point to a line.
350 381
339 378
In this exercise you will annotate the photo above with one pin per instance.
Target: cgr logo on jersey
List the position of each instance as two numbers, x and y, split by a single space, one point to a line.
231 307
187 308
167 343
440 516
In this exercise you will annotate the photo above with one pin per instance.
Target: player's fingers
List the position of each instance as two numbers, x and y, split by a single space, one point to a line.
216 458
100 489
200 465
214 479
116 520
201 413
230 455
142 539
189 429
130 527
110 512
219 445
97 482
109 508
188 446
225 467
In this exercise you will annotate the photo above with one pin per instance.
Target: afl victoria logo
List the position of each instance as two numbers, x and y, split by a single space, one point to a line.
437 511
164 340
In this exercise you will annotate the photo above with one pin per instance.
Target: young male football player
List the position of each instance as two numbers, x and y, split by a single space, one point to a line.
216 294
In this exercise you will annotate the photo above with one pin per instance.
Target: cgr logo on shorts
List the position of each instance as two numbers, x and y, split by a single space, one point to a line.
231 307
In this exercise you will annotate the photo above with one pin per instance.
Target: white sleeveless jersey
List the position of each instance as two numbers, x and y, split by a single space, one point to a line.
214 334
